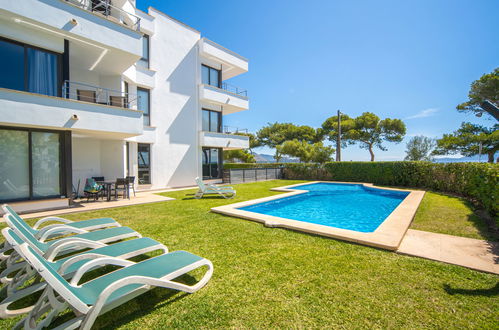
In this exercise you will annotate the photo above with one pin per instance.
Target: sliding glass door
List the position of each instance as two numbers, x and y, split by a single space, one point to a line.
31 164
212 163
31 69
144 162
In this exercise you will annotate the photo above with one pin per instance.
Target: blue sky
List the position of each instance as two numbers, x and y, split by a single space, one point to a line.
412 60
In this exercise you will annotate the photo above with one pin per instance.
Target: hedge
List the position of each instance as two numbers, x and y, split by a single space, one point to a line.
478 182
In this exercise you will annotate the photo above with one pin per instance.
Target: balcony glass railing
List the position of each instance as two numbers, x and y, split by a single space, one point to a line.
95 94
108 10
234 89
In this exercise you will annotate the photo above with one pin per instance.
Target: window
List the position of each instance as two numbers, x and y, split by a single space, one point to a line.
212 121
210 76
31 164
144 61
212 161
144 99
30 69
144 161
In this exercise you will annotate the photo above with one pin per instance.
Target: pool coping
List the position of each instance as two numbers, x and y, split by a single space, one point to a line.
387 236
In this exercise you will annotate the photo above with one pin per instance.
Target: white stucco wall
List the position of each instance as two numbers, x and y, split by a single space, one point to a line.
175 112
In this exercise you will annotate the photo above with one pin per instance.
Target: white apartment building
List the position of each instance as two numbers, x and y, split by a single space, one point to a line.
98 88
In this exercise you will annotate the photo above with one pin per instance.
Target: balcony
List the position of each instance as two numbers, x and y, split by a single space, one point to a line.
232 99
110 12
99 95
19 108
223 140
232 64
110 32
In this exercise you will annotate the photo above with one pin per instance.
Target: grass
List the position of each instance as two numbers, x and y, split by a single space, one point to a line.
279 278
451 215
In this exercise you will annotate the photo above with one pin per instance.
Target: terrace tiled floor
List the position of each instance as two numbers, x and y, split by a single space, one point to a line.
144 197
468 252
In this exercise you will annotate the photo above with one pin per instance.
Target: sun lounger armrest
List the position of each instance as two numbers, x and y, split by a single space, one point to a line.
47 219
98 263
68 243
45 234
156 282
78 258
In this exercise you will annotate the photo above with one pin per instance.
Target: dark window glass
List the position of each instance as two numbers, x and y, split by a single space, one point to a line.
14 167
144 104
210 76
16 183
45 164
144 162
205 75
29 69
12 58
144 61
214 77
211 163
214 121
206 121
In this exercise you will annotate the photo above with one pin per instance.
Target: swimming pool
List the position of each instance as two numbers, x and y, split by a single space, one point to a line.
347 206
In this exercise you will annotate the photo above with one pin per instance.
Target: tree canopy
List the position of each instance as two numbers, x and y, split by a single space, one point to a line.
275 134
242 155
370 131
467 139
329 129
485 88
420 148
306 152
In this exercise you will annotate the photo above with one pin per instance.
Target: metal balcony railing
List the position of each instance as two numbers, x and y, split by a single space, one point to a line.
234 130
95 94
234 89
113 13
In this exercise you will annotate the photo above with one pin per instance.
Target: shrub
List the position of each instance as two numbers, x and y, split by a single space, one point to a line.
478 182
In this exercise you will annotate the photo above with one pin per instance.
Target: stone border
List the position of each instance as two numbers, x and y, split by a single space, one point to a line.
387 236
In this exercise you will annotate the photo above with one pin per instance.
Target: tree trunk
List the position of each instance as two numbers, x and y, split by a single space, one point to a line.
490 155
371 152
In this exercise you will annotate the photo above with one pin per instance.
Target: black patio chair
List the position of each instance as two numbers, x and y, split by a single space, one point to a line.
121 185
131 181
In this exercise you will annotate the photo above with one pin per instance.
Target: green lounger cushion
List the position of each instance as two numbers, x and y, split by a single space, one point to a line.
77 224
156 267
91 222
100 235
113 250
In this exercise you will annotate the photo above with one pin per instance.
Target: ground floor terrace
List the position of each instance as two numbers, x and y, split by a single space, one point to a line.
272 277
48 169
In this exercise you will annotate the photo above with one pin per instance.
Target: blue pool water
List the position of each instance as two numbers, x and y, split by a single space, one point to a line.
346 206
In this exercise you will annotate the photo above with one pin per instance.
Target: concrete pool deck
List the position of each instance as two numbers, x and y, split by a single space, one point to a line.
387 236
462 251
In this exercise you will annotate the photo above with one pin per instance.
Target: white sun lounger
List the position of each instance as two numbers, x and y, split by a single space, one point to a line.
209 189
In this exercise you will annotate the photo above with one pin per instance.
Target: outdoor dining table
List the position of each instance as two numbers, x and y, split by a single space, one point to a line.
107 187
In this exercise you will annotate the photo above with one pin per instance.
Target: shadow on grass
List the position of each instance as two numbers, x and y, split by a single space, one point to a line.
139 306
490 292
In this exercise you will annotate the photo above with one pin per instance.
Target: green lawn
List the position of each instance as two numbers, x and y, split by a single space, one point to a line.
445 214
279 278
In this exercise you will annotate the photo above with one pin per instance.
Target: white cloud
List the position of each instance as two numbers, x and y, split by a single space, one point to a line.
424 113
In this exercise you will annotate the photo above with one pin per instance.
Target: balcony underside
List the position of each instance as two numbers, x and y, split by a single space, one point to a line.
34 110
232 64
225 141
230 102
